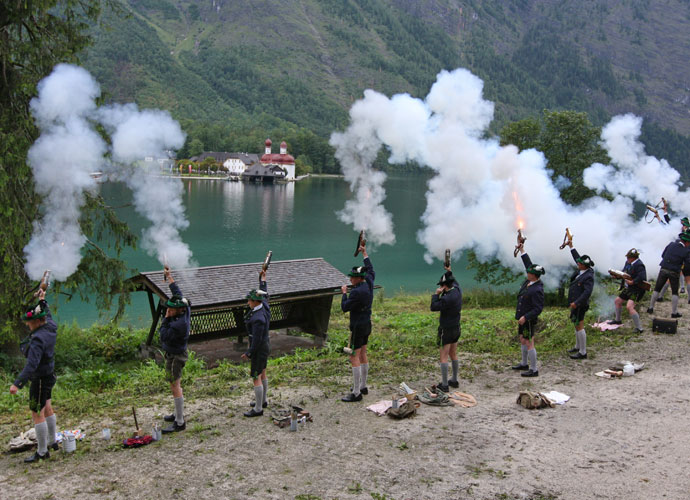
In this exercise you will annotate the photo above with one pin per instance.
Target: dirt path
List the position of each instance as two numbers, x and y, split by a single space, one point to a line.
626 438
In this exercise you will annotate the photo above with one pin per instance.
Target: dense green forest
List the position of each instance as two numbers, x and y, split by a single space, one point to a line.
236 73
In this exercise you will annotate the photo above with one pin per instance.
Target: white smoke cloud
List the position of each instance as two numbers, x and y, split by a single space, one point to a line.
61 160
482 192
633 173
69 150
135 135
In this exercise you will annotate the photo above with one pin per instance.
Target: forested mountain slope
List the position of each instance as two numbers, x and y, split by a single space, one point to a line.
301 63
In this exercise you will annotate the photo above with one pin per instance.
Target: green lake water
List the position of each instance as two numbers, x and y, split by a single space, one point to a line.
236 222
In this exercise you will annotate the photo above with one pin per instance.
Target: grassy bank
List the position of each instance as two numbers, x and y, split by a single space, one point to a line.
99 373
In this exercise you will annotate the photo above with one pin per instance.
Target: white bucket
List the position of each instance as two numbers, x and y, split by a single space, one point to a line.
628 370
69 443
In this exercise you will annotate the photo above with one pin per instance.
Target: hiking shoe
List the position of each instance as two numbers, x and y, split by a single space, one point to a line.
530 373
351 398
676 315
253 413
650 310
169 418
615 322
442 388
520 367
363 390
638 330
578 356
454 383
54 446
36 457
573 350
175 427
263 405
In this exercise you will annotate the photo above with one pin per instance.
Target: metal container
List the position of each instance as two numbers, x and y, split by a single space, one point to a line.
69 443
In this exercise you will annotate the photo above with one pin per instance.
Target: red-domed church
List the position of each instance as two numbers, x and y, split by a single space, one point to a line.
283 159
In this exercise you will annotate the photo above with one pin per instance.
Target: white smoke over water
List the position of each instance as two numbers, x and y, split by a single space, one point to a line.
69 150
136 134
482 192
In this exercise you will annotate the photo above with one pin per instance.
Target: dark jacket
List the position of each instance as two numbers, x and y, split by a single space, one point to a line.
258 324
450 305
637 272
530 298
174 331
360 299
674 256
581 285
39 350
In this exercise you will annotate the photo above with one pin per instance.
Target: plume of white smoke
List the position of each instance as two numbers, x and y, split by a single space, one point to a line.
633 173
135 135
62 158
483 192
69 150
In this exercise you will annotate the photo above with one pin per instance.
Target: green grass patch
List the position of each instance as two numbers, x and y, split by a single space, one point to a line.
99 373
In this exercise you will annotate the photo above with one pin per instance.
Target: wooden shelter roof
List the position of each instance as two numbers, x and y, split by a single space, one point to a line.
219 286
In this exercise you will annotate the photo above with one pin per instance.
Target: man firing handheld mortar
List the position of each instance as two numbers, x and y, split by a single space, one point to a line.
530 302
258 322
39 350
174 335
448 301
358 304
579 292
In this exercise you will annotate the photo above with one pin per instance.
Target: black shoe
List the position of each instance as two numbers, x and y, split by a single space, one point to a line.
253 413
530 373
441 387
677 315
639 330
53 446
169 418
351 398
363 390
660 299
175 427
573 350
36 457
520 367
650 310
614 322
454 383
578 356
263 405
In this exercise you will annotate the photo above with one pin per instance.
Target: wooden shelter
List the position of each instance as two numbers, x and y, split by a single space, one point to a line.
301 294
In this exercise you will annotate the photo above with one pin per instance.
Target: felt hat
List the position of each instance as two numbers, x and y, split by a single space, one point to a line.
35 312
447 279
633 253
684 236
536 269
585 260
358 272
177 301
685 221
257 295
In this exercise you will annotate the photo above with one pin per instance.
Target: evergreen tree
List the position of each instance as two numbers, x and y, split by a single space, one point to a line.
34 36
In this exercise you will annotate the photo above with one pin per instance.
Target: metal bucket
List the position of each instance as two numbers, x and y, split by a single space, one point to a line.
69 443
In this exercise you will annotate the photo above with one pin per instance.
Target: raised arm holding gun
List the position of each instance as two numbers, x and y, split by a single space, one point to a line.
358 304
